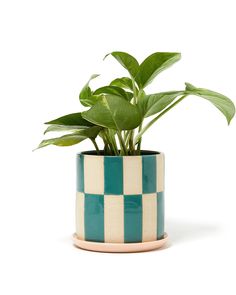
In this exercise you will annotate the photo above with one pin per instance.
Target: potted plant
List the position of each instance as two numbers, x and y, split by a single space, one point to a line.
120 188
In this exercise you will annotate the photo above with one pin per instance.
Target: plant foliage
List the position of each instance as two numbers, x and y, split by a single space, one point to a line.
116 112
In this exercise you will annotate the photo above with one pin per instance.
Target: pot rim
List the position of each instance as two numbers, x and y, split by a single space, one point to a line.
144 153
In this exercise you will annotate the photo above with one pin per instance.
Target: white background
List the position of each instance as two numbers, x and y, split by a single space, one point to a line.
48 50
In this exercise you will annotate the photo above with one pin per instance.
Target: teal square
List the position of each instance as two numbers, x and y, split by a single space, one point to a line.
94 217
160 215
80 173
149 174
113 175
132 218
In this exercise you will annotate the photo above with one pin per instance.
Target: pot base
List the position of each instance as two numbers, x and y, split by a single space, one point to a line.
119 247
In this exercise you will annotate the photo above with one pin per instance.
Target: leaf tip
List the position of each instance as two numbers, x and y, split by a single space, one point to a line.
177 56
94 76
230 119
106 56
38 147
189 86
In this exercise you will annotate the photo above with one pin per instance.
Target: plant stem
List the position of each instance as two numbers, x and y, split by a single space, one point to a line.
113 142
139 135
96 146
126 135
122 144
131 142
126 139
140 141
134 91
107 150
107 141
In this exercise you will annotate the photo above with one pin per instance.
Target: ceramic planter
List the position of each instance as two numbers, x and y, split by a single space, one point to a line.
120 202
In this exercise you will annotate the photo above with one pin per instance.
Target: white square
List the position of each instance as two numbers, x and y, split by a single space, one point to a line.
94 175
114 218
149 203
79 208
132 175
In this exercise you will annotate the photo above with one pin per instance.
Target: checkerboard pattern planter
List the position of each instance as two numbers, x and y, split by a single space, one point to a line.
120 202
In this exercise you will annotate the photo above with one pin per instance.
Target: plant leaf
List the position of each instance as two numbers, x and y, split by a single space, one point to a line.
127 61
153 65
115 91
91 100
223 103
123 82
91 132
58 128
86 93
114 112
73 138
154 103
65 140
71 120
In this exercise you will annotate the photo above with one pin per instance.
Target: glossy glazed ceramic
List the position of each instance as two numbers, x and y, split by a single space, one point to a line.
120 199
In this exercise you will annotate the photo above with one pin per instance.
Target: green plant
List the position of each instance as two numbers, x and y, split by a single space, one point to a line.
117 112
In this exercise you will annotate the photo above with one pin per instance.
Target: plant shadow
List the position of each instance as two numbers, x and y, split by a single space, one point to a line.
181 231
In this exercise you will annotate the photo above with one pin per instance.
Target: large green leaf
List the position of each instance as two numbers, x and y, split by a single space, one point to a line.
154 103
91 100
71 119
123 82
91 132
65 140
58 128
85 95
73 138
114 112
115 91
223 103
127 61
153 65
